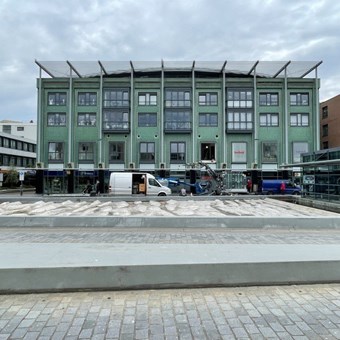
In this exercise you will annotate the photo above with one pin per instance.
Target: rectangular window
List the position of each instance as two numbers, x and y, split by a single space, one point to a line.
56 98
87 99
299 119
56 151
239 152
208 119
7 129
269 119
147 119
325 112
298 149
299 99
116 152
56 119
116 120
240 98
269 152
239 120
20 128
13 144
177 152
177 98
116 98
325 130
19 145
207 99
269 99
177 120
5 142
147 152
147 99
87 119
86 151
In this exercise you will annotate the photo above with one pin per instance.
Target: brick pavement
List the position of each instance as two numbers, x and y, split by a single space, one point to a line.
164 235
280 312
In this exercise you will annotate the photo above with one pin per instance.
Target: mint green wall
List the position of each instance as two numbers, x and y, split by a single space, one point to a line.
215 135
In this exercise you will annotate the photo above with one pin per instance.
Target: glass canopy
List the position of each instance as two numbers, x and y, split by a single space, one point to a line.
269 69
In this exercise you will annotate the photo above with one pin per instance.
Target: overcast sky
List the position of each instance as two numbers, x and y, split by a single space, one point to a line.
143 30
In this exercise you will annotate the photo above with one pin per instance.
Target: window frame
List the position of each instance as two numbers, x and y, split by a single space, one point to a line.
116 98
119 151
268 99
269 145
88 100
88 119
180 150
150 119
238 98
177 98
148 100
299 119
56 159
58 119
89 155
57 98
206 119
147 152
236 124
269 121
207 99
299 101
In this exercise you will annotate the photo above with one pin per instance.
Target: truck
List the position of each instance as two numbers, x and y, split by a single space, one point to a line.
272 187
134 183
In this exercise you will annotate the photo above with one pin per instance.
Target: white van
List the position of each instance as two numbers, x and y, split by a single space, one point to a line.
128 183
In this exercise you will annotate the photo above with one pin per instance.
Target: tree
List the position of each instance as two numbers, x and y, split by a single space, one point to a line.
12 178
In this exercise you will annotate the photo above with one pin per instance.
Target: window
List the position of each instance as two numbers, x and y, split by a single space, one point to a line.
87 119
299 119
147 99
269 99
177 152
147 152
116 98
269 119
325 145
116 152
239 120
207 99
208 151
56 151
298 149
86 151
57 98
5 142
208 119
19 145
20 128
177 121
325 130
116 121
56 119
13 144
239 98
299 99
7 128
269 152
87 99
239 152
325 112
177 98
25 146
147 119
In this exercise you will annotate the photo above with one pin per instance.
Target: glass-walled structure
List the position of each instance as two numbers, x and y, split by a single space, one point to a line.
321 174
160 117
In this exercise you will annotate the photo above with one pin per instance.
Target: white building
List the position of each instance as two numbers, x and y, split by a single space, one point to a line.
22 129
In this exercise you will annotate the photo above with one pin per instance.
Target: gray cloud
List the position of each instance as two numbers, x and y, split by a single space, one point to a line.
160 29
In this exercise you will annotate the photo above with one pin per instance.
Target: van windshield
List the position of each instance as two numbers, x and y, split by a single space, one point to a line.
153 182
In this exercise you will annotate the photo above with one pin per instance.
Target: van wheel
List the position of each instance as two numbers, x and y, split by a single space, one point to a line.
161 194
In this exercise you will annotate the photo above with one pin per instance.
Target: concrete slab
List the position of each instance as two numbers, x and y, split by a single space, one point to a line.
36 267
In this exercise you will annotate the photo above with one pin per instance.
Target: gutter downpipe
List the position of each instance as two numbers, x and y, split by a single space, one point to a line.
100 120
131 114
256 138
317 118
286 119
39 121
224 128
193 112
70 125
161 127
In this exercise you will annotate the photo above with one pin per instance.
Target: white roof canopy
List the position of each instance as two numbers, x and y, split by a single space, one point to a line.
269 69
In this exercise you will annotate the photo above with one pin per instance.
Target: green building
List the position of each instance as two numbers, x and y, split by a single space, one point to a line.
160 117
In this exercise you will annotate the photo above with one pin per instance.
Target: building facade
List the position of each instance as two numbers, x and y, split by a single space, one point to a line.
330 123
26 130
98 117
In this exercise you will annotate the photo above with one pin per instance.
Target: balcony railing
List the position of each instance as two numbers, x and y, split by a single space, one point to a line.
177 127
118 127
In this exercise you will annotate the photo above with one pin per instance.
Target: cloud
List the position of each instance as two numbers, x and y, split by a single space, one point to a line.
161 29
